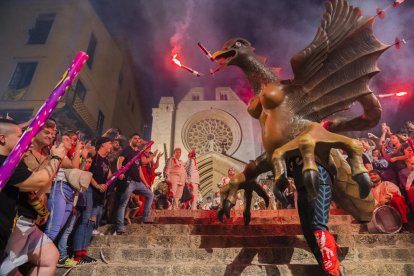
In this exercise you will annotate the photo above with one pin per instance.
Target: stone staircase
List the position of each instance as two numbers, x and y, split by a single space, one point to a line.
194 243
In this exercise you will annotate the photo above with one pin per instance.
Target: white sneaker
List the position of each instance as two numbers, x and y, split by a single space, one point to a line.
97 233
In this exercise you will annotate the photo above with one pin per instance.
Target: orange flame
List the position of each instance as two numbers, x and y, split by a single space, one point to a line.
175 60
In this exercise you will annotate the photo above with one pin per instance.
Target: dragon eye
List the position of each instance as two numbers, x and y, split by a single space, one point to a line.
238 44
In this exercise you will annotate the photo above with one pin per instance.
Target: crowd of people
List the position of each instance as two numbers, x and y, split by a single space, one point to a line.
59 190
390 162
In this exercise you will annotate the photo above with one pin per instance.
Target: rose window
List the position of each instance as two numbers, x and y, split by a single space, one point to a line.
210 135
212 131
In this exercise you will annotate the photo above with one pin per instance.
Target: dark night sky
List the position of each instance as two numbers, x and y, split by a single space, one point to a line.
276 28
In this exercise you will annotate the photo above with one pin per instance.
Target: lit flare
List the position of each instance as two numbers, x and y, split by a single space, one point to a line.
192 71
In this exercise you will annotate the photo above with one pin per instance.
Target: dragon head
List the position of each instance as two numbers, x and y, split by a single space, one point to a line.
239 52
233 52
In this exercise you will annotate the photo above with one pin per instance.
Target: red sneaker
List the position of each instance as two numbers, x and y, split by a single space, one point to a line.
328 247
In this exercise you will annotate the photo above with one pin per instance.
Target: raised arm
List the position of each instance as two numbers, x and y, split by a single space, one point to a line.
40 179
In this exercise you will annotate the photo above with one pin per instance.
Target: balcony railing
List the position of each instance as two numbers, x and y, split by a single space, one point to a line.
75 102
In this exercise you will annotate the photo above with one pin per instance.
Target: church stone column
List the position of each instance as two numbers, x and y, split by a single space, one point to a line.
163 127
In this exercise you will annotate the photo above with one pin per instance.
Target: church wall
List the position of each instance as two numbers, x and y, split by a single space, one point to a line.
169 120
162 124
247 149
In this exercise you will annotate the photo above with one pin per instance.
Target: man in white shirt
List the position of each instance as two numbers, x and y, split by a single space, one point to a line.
386 192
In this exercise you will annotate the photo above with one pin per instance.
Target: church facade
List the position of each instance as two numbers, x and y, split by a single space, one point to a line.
220 130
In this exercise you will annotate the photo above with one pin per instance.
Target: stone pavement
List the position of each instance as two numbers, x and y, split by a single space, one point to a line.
193 243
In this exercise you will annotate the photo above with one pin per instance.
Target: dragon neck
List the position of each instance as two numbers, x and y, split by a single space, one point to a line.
257 73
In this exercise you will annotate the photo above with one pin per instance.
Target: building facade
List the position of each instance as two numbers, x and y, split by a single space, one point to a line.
39 40
220 130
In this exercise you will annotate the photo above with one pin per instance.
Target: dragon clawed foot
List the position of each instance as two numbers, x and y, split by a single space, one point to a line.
247 216
230 198
249 187
261 192
305 143
364 183
280 185
225 210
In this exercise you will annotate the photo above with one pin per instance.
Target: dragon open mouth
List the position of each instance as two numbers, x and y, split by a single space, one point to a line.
224 55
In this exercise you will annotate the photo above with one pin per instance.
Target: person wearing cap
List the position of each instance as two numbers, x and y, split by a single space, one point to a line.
94 197
175 175
192 177
386 192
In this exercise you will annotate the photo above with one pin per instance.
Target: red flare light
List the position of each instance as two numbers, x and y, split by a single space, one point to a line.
398 94
401 94
397 3
398 42
380 13
192 71
175 60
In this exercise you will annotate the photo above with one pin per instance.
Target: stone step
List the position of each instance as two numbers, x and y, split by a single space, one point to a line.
280 255
294 219
234 213
220 241
234 268
229 229
258 216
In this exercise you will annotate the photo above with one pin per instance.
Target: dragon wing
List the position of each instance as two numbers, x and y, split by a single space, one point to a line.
334 70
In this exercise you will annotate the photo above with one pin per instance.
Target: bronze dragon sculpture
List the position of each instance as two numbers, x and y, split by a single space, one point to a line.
330 74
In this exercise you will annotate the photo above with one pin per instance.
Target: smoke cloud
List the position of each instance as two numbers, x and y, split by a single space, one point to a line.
153 30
